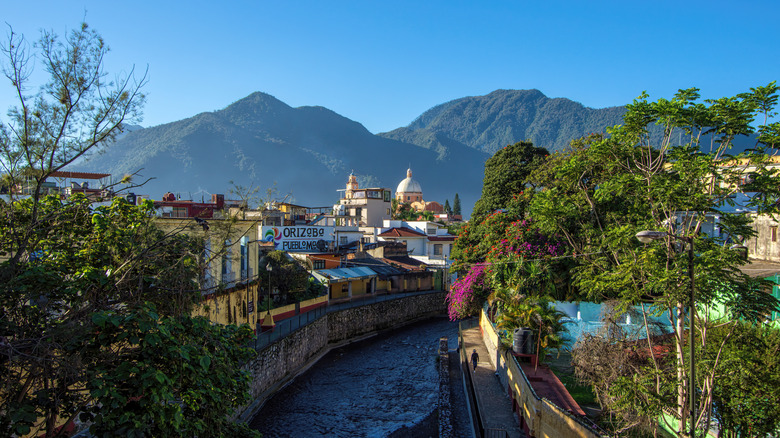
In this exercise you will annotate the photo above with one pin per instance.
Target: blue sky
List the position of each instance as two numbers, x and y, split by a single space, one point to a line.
384 63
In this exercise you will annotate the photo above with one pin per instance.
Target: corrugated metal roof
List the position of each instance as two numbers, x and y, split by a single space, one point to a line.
344 274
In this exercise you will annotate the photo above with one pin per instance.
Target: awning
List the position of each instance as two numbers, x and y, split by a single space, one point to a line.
344 274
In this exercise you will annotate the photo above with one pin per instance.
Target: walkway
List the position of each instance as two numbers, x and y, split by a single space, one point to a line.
495 406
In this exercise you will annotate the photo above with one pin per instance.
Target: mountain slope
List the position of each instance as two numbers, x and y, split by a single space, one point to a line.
308 151
490 122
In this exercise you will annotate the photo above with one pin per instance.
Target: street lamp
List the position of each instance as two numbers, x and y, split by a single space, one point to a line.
268 321
647 237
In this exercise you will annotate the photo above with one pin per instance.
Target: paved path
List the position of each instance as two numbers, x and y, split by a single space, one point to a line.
495 405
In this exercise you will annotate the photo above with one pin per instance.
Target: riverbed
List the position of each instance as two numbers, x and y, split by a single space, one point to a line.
370 388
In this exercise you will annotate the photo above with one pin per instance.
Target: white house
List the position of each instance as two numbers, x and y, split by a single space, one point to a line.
426 241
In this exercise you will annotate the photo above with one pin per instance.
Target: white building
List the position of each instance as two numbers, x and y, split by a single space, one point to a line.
363 207
426 241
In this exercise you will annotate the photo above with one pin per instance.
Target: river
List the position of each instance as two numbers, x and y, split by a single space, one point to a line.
370 388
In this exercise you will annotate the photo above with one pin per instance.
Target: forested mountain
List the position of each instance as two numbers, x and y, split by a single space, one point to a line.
490 122
309 151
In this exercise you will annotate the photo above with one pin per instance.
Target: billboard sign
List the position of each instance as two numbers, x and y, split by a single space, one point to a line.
298 238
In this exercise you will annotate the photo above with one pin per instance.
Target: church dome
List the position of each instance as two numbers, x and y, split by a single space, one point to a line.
408 185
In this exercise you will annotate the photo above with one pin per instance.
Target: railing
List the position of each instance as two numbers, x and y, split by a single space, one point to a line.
287 326
293 323
471 394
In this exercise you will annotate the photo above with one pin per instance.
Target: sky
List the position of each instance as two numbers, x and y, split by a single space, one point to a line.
383 64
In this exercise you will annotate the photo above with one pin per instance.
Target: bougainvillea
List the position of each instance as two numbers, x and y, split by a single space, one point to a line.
467 293
521 238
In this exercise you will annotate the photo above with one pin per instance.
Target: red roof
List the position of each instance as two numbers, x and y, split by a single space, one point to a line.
79 175
405 262
448 238
546 384
401 232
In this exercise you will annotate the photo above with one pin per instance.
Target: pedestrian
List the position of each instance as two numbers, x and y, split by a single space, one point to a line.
474 359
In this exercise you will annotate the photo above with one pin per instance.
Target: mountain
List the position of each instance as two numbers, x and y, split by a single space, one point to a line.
309 151
488 123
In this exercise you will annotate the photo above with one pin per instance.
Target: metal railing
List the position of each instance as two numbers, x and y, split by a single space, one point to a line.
288 325
471 393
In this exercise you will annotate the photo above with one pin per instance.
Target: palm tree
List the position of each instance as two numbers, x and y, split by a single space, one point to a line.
549 326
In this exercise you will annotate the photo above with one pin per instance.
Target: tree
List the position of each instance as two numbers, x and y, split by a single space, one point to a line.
74 112
286 276
447 208
505 176
456 205
95 301
605 189
750 360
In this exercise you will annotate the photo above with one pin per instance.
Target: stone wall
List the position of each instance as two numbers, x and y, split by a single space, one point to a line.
281 361
445 408
360 321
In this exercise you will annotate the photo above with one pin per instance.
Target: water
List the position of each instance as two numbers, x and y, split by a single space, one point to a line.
367 389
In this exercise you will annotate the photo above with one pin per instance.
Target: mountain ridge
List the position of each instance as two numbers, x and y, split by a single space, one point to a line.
490 122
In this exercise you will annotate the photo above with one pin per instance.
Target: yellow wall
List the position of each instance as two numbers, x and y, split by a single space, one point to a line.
359 287
220 308
220 231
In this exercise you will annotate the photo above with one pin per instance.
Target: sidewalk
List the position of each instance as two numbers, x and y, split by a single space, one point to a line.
494 404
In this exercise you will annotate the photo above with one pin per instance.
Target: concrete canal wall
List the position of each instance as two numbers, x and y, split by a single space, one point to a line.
278 363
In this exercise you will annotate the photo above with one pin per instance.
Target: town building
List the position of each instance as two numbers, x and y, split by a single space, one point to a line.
366 207
409 191
428 242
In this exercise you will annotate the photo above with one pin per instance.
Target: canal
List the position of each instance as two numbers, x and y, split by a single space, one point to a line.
381 386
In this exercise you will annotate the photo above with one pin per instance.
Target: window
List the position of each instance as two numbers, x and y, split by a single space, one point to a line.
207 262
388 211
244 257
431 231
408 198
343 240
359 212
319 264
345 287
437 249
227 270
774 234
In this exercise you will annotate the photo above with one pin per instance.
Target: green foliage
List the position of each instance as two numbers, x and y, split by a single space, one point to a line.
490 122
505 177
605 189
74 111
456 205
538 314
102 303
747 402
286 276
165 376
95 300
